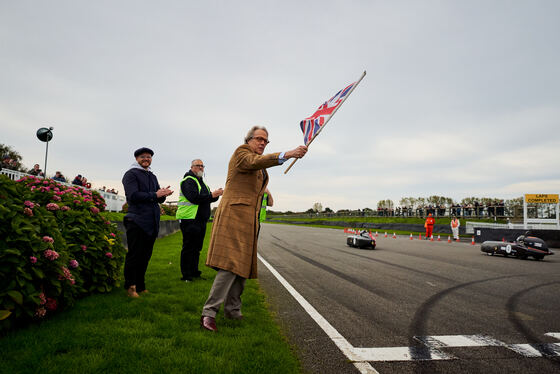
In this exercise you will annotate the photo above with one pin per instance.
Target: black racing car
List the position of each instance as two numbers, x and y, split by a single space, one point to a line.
523 247
363 239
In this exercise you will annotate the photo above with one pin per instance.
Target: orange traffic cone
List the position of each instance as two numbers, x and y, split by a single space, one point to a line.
431 238
472 242
394 236
385 233
449 239
410 236
438 239
376 234
504 240
419 236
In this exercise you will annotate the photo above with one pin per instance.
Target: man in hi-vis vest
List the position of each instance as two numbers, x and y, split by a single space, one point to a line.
193 211
266 201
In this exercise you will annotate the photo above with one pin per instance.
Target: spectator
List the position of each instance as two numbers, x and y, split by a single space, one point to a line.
59 177
36 171
78 180
143 195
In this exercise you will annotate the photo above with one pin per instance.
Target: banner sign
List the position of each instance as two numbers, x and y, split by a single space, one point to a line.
541 198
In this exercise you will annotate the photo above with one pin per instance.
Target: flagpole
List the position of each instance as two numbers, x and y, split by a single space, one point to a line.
331 116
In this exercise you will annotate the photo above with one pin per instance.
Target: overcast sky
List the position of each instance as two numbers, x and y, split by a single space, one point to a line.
461 98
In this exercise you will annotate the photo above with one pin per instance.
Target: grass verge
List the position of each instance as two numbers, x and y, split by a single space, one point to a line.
157 333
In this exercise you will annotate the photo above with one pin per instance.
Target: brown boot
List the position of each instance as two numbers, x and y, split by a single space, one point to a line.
131 291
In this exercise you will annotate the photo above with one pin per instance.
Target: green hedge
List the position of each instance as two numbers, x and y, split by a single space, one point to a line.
54 248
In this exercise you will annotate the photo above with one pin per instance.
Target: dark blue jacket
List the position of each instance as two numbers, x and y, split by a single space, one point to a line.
140 188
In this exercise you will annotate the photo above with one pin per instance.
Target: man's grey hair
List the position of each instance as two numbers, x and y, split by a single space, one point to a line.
193 161
251 132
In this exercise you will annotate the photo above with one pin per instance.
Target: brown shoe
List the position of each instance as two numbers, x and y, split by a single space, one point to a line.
131 291
208 323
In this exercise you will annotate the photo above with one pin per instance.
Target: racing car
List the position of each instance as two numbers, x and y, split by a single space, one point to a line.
523 247
361 239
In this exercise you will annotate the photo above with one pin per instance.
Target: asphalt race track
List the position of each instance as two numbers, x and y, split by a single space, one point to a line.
410 306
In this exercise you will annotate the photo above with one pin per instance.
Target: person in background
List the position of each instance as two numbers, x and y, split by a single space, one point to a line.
36 171
59 177
143 195
429 225
455 223
266 201
233 244
193 212
78 180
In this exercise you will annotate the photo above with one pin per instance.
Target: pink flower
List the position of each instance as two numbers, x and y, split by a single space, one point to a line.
76 201
56 198
51 304
67 275
32 188
84 248
33 259
46 182
109 254
112 234
50 254
73 264
52 206
65 208
28 212
94 210
48 239
43 298
40 312
29 204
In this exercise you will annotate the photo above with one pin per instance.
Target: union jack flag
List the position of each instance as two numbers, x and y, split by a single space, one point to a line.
311 125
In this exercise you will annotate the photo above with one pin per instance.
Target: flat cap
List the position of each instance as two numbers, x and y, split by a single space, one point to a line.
139 151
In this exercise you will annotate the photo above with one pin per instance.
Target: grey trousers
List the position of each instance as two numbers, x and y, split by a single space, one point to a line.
226 289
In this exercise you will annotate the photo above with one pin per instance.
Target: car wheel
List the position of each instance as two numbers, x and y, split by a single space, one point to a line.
489 253
538 257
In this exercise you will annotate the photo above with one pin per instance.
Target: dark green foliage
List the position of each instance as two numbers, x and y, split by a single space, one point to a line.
54 248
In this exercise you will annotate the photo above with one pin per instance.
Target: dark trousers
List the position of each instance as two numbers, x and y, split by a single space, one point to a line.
193 238
140 247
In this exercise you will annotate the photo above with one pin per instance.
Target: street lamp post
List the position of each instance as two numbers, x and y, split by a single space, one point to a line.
45 135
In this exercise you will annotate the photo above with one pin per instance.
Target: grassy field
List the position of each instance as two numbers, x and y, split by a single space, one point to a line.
157 333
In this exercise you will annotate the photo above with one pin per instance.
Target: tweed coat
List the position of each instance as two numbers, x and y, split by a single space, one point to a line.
233 243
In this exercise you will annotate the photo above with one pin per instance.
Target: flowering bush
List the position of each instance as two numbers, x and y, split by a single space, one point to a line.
54 248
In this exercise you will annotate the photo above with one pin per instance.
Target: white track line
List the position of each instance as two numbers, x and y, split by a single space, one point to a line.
341 342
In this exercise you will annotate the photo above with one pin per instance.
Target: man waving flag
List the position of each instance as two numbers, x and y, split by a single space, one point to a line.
312 126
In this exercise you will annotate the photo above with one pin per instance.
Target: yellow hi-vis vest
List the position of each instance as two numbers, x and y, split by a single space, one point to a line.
262 215
186 209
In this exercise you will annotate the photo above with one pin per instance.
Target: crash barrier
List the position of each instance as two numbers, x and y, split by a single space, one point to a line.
443 229
551 237
165 228
470 226
114 202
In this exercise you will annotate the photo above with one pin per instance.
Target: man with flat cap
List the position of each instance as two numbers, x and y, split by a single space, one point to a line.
143 195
